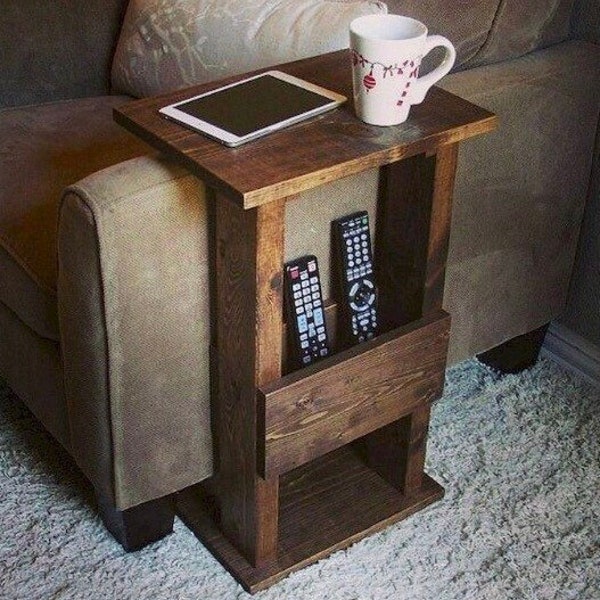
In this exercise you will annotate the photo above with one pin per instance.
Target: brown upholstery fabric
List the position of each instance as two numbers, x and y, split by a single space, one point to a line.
134 320
586 20
520 27
467 30
51 50
45 148
520 194
35 305
33 367
490 31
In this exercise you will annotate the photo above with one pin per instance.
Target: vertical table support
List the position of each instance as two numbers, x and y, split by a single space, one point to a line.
413 232
248 260
439 228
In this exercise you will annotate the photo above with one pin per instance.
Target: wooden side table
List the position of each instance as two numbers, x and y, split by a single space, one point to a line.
313 460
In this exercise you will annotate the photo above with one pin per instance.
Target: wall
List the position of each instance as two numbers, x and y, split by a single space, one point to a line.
583 309
574 340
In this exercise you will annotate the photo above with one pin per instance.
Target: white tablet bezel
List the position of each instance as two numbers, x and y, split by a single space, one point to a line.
230 139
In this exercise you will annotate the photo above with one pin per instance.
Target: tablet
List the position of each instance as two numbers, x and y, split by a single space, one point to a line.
248 109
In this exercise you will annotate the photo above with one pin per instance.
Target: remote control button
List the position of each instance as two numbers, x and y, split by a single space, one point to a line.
302 324
318 316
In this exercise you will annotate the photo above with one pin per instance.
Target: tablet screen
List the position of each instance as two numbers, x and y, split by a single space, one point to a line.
253 105
246 110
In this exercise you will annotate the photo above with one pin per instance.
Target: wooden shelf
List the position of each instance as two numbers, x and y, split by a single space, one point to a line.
325 505
327 405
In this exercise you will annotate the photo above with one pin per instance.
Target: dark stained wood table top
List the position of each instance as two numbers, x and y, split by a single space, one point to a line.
308 154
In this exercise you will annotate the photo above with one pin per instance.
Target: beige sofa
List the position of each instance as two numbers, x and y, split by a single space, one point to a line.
104 328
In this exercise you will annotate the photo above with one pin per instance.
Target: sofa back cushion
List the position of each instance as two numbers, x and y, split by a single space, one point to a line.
51 50
489 31
521 27
168 45
464 22
586 20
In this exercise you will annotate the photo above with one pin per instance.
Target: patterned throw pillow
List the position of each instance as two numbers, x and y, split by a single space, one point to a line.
169 44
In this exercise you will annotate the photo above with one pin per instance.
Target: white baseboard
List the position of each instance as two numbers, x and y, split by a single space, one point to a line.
573 352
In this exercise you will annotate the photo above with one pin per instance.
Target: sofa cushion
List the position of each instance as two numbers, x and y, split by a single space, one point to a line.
489 31
467 29
522 27
56 50
586 20
163 46
45 148
520 193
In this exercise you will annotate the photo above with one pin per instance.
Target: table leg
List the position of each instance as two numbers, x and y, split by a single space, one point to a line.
249 258
413 230
415 208
397 451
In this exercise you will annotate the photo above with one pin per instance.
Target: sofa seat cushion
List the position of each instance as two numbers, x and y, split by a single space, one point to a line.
45 148
168 45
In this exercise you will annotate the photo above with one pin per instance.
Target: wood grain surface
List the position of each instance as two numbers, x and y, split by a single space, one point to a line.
308 154
320 408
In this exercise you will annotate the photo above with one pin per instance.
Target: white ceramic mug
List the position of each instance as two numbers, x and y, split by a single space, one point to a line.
386 53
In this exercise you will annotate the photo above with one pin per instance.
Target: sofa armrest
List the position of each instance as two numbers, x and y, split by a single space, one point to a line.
133 313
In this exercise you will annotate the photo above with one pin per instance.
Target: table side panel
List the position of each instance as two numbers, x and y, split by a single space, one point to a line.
249 254
330 404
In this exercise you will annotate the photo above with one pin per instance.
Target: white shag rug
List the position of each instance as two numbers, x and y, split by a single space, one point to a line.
519 457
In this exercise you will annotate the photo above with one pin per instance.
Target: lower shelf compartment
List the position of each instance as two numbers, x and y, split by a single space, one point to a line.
325 506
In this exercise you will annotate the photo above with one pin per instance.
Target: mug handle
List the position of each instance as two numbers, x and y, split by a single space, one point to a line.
422 84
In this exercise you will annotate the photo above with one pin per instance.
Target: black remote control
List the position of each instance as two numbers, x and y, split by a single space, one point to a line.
357 294
305 312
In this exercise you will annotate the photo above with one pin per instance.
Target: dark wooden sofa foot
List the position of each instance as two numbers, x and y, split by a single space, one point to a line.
517 354
140 525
